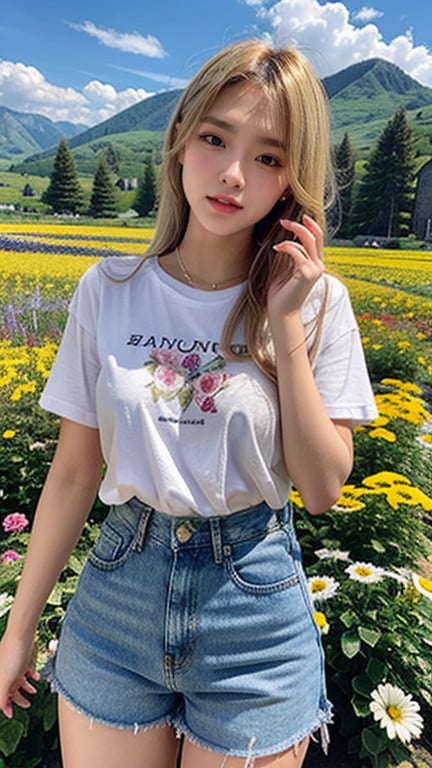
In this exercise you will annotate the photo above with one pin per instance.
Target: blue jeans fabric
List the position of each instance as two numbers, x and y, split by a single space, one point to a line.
201 623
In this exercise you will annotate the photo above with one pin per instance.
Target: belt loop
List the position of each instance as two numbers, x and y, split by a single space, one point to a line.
216 539
142 528
284 515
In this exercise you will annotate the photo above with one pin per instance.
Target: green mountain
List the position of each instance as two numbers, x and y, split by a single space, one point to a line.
365 96
362 98
24 134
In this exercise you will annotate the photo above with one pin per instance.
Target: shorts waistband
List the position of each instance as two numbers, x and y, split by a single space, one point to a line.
218 533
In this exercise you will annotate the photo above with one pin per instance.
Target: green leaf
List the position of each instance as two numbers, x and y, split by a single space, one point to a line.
350 644
377 546
371 741
56 595
369 636
11 733
360 706
348 619
362 685
50 711
376 670
398 751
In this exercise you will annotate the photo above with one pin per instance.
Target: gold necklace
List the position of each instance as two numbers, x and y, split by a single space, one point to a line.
192 281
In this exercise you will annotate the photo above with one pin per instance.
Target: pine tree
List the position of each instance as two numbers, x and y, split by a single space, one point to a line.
103 202
112 156
64 193
344 165
146 197
385 196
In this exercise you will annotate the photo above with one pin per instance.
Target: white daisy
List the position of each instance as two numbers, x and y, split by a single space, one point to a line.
5 603
322 587
333 554
365 572
423 585
403 575
396 712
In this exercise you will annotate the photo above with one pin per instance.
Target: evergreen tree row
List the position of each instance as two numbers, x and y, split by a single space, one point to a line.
380 201
64 193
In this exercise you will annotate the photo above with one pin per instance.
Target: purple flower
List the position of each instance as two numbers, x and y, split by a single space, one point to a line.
15 522
10 556
191 362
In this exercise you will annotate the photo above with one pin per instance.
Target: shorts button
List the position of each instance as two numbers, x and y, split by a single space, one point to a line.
183 533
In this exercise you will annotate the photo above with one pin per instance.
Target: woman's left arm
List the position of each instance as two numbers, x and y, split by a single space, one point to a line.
318 451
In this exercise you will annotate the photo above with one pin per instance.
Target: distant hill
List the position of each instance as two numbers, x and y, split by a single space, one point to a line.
22 133
365 96
362 98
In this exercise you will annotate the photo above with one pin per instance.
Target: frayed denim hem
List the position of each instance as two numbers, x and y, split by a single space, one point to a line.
317 732
136 727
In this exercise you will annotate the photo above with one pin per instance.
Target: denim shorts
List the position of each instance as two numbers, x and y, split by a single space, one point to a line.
204 624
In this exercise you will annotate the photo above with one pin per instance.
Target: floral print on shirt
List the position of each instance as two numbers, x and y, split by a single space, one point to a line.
186 378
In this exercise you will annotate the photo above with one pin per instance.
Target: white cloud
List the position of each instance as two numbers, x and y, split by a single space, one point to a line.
366 14
332 42
25 89
129 42
168 80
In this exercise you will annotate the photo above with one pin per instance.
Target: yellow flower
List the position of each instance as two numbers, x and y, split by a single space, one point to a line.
423 585
384 434
398 490
8 434
296 499
321 622
349 501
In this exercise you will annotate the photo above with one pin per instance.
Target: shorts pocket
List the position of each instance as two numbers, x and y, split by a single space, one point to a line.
116 539
262 566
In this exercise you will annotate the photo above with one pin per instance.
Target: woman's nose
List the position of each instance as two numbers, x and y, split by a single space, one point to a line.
233 175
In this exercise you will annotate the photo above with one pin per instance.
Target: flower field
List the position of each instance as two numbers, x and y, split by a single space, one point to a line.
368 560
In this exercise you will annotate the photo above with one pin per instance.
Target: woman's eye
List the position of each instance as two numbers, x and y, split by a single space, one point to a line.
213 140
269 160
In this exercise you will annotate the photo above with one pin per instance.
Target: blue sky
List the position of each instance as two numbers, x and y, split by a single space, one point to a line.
87 60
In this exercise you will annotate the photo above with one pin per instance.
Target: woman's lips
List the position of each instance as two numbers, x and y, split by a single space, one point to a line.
224 204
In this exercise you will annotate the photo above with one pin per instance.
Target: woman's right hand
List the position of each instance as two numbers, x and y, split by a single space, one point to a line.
17 669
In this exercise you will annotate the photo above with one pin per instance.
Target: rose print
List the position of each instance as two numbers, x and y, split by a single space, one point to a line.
186 378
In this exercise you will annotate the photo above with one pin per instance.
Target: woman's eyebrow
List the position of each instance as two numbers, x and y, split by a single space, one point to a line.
267 140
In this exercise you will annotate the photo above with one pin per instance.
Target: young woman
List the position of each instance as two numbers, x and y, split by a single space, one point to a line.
208 378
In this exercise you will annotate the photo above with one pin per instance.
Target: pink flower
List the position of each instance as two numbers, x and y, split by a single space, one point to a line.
10 556
208 405
167 379
209 383
166 357
15 522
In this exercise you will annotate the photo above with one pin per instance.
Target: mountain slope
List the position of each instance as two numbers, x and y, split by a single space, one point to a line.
369 93
152 114
375 86
362 99
22 133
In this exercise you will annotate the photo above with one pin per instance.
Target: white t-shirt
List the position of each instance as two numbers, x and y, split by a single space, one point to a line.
181 428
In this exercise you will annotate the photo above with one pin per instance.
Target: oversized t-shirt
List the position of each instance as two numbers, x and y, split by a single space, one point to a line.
182 428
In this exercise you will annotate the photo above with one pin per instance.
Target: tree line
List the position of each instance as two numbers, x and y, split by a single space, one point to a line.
64 193
378 201
376 198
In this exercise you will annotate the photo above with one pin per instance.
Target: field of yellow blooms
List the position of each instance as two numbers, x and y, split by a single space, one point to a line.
369 559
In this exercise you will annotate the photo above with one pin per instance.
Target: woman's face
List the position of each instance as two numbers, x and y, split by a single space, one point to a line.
233 171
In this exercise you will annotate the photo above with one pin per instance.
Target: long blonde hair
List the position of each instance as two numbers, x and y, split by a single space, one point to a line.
299 103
